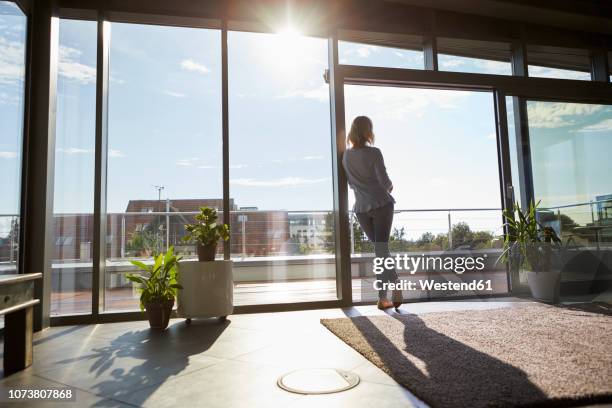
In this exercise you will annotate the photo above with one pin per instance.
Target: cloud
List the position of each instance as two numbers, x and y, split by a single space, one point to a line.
12 67
545 72
281 182
74 150
451 62
294 159
8 155
115 153
320 93
400 103
364 51
552 115
492 136
603 126
175 94
187 162
191 65
71 69
494 67
11 98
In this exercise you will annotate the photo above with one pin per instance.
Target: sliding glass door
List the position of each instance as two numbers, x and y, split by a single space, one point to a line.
440 150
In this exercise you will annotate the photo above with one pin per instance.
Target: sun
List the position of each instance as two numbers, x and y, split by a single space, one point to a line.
287 52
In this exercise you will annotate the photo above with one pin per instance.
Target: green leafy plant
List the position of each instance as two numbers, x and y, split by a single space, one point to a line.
205 230
158 282
528 243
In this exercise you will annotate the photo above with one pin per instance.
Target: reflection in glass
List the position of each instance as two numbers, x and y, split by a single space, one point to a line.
447 203
12 72
282 238
558 63
570 153
74 168
570 145
479 57
164 145
409 55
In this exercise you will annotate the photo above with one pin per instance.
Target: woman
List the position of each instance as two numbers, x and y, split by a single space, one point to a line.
367 176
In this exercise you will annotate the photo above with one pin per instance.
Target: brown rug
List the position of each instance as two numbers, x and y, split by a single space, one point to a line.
526 355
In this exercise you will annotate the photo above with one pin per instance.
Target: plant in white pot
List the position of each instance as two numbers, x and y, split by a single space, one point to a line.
529 248
158 287
206 233
208 283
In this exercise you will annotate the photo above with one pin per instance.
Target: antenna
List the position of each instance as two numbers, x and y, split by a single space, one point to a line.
159 190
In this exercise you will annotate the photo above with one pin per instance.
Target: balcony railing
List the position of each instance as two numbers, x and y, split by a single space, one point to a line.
281 235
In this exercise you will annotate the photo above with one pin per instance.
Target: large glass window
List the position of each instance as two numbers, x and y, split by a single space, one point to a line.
164 145
73 201
380 50
480 57
13 25
447 201
569 145
570 148
280 169
558 62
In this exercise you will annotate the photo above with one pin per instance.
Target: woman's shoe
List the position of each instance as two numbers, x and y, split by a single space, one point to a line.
397 298
384 304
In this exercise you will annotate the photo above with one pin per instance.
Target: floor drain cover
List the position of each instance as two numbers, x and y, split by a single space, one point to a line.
318 381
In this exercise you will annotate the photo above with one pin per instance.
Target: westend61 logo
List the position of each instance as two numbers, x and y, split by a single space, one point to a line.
413 264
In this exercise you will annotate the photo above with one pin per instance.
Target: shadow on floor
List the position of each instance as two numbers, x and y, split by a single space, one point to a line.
145 358
444 372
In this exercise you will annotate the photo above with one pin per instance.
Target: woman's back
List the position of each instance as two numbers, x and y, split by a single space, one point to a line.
367 176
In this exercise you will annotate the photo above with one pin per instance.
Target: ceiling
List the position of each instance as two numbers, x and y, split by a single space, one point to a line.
583 15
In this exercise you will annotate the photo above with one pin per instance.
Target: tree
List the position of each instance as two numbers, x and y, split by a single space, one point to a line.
461 234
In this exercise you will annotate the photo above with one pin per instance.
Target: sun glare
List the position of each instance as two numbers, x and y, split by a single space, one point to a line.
288 51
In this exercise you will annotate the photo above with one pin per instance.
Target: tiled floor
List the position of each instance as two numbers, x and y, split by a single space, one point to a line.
212 364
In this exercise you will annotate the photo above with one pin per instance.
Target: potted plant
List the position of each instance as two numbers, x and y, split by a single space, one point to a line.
209 283
529 248
158 287
206 233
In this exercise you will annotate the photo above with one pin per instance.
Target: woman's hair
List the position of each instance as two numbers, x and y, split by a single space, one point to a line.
361 132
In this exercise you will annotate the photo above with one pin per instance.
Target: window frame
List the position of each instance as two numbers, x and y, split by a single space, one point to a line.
516 85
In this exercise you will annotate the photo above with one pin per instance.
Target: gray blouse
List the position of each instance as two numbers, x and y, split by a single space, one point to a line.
367 176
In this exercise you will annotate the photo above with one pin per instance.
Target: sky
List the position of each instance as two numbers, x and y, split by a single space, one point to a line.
12 56
165 125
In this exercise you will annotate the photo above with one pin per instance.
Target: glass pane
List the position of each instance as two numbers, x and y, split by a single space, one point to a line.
280 169
164 145
559 63
13 26
447 203
74 168
380 50
513 144
570 150
570 145
479 57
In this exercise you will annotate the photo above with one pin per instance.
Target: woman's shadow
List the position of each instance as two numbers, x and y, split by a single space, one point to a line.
442 371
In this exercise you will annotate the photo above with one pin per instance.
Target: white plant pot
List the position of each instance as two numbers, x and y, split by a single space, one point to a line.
208 289
545 285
